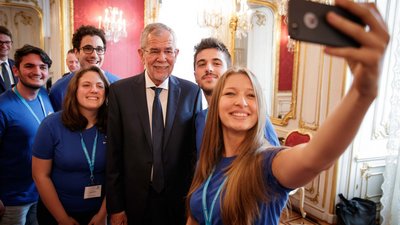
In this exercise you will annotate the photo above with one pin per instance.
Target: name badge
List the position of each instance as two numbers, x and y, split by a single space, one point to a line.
92 192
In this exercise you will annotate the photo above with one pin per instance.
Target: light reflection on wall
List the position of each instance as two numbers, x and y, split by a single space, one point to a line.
188 32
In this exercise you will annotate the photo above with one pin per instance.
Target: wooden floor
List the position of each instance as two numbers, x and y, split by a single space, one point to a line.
292 217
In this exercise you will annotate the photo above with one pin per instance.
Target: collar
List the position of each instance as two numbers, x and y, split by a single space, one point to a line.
150 83
6 61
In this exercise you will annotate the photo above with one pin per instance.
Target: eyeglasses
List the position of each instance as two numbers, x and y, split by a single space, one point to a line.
5 43
156 52
88 49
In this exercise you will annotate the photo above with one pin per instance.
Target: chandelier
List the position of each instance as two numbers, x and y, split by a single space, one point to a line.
211 15
113 24
234 13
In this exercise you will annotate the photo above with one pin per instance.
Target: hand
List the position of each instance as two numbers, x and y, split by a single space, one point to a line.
119 218
191 221
365 62
98 220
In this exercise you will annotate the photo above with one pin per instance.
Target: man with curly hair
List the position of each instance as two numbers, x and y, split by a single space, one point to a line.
89 44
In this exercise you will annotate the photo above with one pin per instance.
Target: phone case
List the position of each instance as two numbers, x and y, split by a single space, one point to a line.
307 23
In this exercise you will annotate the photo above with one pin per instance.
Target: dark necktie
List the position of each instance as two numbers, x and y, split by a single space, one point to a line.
157 126
6 78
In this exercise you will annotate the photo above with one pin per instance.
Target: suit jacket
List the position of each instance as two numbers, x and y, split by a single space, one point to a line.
2 87
129 149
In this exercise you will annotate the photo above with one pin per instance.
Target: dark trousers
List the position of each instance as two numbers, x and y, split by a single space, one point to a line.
157 211
44 217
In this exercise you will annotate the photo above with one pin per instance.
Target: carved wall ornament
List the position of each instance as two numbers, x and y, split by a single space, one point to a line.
24 19
304 125
314 199
260 17
3 19
381 132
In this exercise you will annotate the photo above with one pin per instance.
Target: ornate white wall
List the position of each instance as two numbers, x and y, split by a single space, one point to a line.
42 23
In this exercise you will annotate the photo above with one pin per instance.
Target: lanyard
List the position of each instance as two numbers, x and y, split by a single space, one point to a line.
90 161
29 107
208 215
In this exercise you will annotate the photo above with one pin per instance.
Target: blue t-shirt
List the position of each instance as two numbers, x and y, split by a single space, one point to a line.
18 128
70 169
200 123
59 89
269 212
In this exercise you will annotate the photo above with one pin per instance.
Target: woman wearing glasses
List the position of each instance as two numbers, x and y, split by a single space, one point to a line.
69 154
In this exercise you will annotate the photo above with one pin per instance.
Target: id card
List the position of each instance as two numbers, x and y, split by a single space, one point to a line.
93 191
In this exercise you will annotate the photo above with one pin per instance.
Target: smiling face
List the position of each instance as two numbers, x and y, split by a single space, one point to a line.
159 55
5 46
32 72
90 59
237 109
209 66
91 92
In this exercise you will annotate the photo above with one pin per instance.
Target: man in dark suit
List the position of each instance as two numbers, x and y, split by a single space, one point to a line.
147 185
7 79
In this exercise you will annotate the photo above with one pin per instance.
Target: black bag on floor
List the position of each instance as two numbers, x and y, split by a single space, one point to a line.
356 211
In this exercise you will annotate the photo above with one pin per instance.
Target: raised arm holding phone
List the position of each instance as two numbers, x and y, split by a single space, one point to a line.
240 179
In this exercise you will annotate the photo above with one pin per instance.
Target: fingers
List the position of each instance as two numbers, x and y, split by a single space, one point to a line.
375 36
119 219
365 62
373 40
366 56
350 28
367 12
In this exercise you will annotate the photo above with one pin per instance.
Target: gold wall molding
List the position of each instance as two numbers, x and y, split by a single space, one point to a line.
61 18
35 2
233 24
284 121
328 96
326 185
371 178
259 18
71 17
313 189
312 125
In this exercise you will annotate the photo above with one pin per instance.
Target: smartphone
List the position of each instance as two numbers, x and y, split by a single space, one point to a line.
307 22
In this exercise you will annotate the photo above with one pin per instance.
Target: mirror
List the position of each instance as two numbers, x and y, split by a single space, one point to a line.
264 51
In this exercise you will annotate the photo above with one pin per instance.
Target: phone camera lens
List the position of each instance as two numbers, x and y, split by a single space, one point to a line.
310 20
